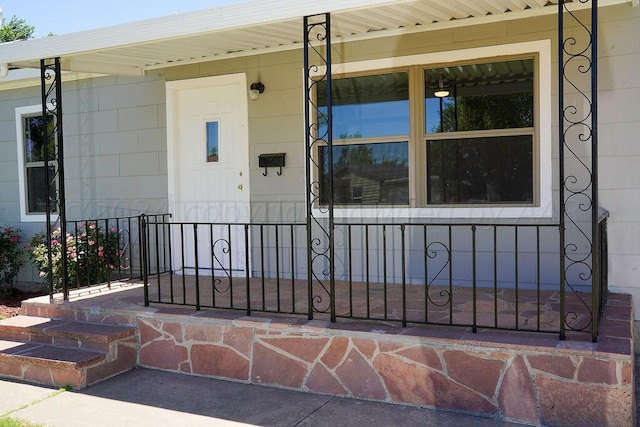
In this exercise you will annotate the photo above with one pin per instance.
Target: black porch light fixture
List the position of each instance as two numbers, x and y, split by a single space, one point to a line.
255 90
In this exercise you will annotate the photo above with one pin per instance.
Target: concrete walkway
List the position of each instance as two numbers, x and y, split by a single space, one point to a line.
145 397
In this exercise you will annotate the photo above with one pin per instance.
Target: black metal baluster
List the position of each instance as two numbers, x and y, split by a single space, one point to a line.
142 230
264 296
426 273
350 261
517 290
495 276
169 228
230 266
474 274
277 267
450 277
366 243
293 269
246 268
197 265
213 267
538 296
184 272
404 279
384 268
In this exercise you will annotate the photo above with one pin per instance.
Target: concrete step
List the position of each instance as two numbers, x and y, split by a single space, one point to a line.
94 336
64 353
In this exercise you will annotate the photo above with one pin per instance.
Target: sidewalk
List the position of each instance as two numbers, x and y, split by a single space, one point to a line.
145 397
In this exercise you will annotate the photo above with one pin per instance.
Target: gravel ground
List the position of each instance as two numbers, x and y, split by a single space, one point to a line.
11 299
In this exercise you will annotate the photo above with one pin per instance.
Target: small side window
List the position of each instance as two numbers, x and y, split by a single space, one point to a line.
36 158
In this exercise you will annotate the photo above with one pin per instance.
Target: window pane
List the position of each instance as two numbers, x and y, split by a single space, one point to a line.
367 174
212 141
36 182
480 170
495 95
366 106
34 139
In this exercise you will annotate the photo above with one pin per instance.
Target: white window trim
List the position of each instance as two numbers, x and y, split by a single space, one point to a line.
544 208
21 113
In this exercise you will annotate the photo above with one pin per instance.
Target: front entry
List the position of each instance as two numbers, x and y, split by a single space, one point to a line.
208 158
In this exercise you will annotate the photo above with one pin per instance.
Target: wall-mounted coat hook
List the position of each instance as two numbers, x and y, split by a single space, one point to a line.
271 160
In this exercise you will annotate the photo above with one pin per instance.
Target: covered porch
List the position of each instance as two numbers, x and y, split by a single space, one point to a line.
552 257
502 312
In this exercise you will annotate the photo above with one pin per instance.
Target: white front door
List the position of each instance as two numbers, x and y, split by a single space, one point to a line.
208 157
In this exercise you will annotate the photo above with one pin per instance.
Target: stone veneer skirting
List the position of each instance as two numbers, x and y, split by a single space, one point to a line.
525 377
531 379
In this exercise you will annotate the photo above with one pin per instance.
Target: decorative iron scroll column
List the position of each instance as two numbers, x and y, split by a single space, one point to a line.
51 92
319 179
578 164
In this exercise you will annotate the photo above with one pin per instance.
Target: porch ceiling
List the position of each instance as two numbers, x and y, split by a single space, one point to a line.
256 27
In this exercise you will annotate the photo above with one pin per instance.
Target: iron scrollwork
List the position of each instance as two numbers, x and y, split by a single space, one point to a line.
124 249
318 132
51 98
432 251
224 246
578 191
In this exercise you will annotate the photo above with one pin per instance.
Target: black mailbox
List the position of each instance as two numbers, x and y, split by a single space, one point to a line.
273 160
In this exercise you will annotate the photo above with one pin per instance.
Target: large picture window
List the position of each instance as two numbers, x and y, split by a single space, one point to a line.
468 135
33 161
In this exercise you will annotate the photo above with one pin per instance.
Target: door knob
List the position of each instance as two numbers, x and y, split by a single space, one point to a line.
239 186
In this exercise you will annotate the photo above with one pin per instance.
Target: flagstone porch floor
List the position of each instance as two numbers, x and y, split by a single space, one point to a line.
502 307
528 377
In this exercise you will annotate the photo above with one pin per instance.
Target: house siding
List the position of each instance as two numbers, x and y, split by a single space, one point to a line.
619 146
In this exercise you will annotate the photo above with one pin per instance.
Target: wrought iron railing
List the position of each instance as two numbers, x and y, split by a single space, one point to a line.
494 276
102 251
248 267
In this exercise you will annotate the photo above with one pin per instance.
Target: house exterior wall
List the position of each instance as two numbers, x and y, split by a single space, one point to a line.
619 150
115 147
115 130
115 151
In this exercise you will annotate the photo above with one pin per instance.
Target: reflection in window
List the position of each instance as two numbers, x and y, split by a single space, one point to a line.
34 138
481 97
212 142
367 174
36 182
366 106
480 170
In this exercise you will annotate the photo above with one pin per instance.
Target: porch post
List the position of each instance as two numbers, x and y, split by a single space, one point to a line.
578 165
51 94
319 175
595 204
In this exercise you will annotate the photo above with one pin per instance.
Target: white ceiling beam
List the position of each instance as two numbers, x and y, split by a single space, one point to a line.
78 65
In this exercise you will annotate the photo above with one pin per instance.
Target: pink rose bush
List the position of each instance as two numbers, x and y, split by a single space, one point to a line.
91 252
11 254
